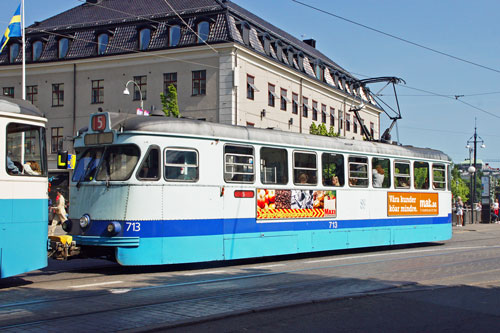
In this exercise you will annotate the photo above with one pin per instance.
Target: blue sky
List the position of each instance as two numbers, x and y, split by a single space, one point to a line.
463 29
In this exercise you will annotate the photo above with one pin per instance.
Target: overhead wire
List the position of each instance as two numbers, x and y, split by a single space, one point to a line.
397 37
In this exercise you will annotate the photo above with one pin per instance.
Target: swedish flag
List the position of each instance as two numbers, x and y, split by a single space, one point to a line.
14 28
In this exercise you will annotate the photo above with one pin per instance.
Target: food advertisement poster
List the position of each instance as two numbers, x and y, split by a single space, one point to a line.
406 204
295 204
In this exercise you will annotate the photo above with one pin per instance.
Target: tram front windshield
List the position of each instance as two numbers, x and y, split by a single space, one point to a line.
113 163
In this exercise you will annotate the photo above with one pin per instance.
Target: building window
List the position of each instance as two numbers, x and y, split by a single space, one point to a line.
142 82
305 107
168 79
174 35
319 72
249 124
372 129
295 103
8 91
271 95
63 48
203 31
323 113
144 39
97 91
32 94
250 87
341 120
102 43
58 94
347 122
283 99
355 125
332 117
315 110
56 139
37 50
13 52
199 83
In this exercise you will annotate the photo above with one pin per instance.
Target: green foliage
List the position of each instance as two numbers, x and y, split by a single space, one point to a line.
458 186
332 132
169 102
313 129
322 130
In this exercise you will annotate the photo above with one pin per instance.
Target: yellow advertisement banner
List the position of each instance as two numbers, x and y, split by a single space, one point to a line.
289 213
407 203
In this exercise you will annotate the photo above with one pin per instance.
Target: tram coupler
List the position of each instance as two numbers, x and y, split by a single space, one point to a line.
62 247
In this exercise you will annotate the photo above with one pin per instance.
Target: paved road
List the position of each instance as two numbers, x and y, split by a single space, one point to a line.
426 287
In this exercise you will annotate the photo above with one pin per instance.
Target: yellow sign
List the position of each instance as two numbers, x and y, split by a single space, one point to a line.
407 204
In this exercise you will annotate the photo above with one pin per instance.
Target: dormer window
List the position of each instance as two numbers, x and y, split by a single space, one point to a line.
174 35
319 70
63 48
244 29
279 49
37 50
13 52
203 31
290 54
102 43
266 41
144 39
300 60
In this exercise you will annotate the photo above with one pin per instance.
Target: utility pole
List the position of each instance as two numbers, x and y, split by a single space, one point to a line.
472 169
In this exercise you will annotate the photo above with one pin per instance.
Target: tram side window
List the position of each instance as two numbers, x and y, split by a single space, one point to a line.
402 175
26 152
381 171
273 166
150 167
438 176
448 168
305 170
239 164
358 171
118 163
333 169
181 165
421 175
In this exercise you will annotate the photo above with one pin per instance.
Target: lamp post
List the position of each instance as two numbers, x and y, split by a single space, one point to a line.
472 169
127 92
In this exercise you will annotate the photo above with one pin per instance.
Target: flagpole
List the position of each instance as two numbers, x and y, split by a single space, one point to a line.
24 51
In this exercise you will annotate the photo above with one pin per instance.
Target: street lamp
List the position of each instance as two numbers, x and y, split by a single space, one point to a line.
127 92
472 168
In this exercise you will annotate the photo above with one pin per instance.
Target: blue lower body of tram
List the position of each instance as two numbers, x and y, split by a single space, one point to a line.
23 235
185 241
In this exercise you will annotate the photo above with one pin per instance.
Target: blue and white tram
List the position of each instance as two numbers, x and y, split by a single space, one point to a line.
156 190
23 184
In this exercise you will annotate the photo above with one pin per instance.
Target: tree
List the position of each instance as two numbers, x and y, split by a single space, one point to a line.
458 187
322 130
169 102
313 129
332 132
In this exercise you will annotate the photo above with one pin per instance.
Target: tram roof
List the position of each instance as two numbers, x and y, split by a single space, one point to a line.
18 106
200 128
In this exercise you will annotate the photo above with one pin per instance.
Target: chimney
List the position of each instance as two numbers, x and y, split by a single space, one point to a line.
311 42
91 1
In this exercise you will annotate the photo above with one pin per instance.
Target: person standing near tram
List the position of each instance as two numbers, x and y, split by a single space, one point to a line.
59 213
459 205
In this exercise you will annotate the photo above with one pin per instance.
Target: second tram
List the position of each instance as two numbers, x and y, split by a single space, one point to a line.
23 184
156 190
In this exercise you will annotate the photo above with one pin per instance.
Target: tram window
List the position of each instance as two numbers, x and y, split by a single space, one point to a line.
118 162
438 176
26 152
402 175
421 175
181 165
86 164
239 164
358 171
305 170
449 177
333 169
273 166
150 167
381 172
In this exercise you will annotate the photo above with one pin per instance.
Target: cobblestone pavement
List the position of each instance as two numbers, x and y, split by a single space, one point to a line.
117 298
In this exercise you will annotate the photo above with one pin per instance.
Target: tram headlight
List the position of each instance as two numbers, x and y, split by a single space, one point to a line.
84 221
114 228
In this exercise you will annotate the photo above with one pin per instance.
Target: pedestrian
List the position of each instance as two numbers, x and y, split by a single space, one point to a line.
496 206
459 205
59 211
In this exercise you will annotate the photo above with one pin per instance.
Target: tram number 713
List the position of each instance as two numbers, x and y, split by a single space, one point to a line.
133 226
333 225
